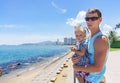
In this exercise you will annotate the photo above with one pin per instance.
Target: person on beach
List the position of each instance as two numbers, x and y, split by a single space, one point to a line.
1 71
80 51
98 48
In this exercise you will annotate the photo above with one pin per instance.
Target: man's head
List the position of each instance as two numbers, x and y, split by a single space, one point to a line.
93 19
94 10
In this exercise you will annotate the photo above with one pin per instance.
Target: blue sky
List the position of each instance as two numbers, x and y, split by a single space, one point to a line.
23 21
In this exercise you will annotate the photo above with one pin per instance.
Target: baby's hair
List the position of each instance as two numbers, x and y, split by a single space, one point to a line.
80 28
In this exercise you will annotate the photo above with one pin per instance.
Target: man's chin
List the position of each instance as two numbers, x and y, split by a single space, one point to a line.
90 27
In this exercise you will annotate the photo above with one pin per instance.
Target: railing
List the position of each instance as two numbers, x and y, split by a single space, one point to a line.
74 78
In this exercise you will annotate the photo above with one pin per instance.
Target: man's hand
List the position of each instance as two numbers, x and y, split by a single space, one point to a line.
76 68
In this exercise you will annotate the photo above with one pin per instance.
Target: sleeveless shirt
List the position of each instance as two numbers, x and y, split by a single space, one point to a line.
95 77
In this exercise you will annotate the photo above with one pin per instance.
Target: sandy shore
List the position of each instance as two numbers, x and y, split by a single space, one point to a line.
46 73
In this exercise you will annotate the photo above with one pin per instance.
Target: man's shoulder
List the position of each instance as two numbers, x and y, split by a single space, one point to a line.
101 42
101 39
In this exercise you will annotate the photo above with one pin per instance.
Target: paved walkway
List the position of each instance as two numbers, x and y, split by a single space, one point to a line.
113 67
112 73
66 75
49 73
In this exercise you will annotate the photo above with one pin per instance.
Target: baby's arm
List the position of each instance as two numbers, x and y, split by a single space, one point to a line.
80 52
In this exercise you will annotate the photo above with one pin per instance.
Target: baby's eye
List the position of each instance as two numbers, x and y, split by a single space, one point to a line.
78 35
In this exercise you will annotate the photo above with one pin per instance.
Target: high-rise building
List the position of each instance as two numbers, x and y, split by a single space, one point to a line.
69 41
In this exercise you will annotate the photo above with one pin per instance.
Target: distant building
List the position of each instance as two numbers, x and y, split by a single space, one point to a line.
58 42
69 41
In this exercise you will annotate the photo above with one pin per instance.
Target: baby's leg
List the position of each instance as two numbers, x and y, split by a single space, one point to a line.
80 76
80 79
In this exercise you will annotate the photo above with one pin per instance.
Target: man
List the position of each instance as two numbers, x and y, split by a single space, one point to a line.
98 48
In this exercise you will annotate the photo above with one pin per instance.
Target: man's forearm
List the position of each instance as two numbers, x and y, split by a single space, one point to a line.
88 68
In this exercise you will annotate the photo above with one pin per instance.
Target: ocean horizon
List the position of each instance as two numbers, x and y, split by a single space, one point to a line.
14 57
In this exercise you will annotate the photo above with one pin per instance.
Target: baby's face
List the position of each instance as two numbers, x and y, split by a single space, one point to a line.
79 35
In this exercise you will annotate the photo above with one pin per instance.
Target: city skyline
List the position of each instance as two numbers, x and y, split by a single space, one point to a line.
28 21
65 41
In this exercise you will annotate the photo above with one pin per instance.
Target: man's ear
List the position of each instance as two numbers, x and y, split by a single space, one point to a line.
100 19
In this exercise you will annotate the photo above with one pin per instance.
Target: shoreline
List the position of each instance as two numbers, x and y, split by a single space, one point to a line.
12 66
16 57
29 73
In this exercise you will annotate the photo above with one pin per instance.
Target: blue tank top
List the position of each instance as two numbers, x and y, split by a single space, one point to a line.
95 77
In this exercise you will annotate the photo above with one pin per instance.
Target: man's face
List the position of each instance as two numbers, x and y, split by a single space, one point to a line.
93 21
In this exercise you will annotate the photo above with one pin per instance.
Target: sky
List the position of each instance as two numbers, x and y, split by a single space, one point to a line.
33 21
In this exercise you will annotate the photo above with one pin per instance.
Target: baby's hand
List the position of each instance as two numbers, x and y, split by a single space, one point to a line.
75 60
73 48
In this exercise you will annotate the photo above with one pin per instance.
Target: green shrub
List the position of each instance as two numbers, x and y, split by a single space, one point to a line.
115 44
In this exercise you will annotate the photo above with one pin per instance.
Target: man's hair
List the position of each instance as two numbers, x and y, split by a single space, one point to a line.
94 10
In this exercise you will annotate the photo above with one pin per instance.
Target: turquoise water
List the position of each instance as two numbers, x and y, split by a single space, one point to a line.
28 54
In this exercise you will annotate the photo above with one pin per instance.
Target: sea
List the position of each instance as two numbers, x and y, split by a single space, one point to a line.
14 57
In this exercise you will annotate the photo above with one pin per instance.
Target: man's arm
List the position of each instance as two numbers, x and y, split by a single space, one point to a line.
100 48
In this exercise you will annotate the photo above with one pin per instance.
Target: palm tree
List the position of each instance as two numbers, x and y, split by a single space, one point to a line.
117 26
112 37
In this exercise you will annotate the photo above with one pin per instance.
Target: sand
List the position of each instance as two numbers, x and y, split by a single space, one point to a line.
46 73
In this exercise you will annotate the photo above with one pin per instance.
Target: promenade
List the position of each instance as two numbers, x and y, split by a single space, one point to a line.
112 73
113 67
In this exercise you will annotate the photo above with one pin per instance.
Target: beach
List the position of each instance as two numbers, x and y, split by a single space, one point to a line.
38 73
60 70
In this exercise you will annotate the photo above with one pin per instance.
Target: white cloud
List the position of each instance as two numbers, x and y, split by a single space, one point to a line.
80 19
7 26
106 29
62 10
11 26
